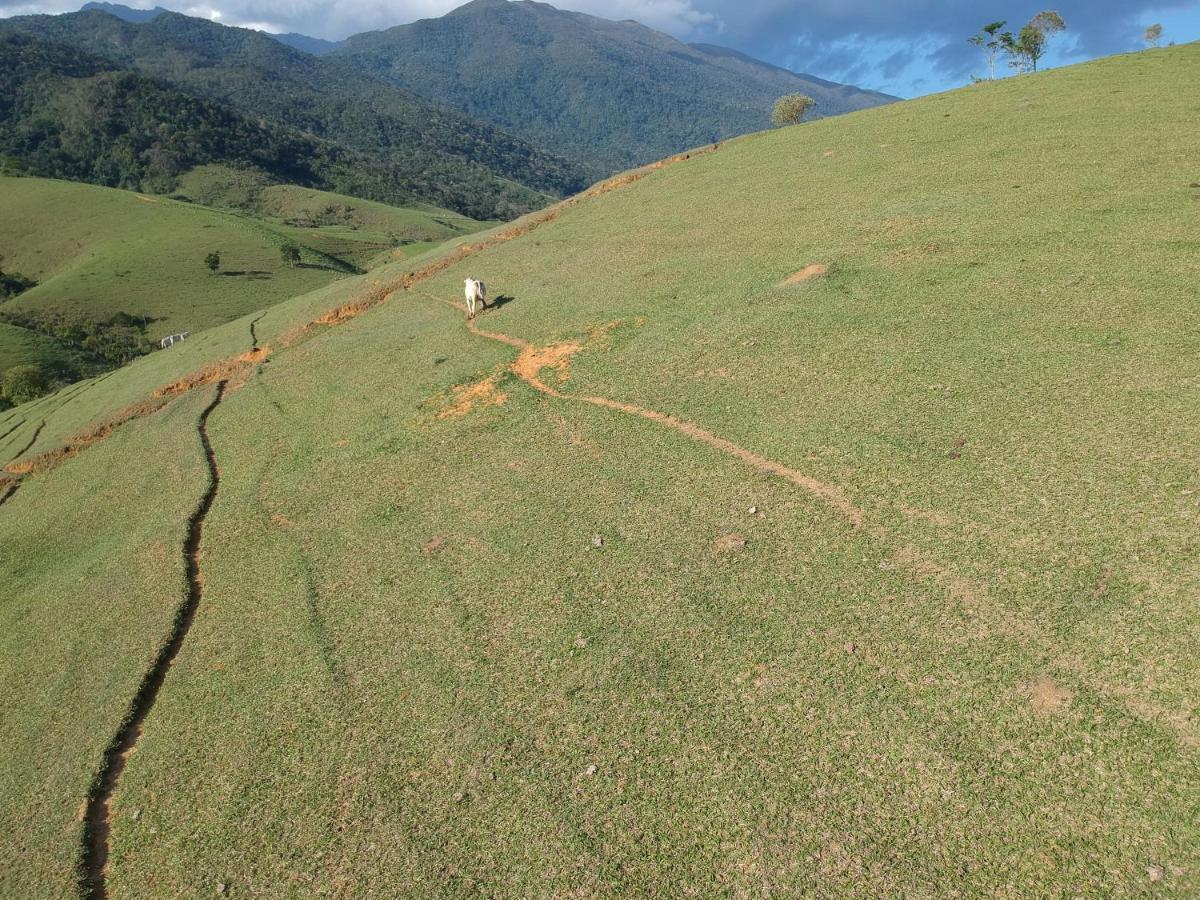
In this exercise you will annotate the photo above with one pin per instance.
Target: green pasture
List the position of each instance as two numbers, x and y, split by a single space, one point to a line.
546 648
96 252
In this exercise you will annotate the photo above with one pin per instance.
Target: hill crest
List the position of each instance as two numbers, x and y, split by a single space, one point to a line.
612 93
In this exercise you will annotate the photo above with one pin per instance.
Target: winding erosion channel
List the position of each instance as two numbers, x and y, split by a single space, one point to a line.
97 817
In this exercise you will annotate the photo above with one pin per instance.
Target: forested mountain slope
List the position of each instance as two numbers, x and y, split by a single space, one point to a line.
429 152
613 94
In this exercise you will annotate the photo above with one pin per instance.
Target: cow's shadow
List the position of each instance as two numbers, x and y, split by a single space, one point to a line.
501 300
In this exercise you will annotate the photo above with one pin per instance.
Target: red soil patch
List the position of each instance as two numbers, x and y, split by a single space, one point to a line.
729 543
468 396
84 439
533 360
816 270
224 370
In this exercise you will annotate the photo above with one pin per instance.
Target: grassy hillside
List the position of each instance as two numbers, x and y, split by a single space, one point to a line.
672 577
20 347
97 252
349 228
414 149
611 94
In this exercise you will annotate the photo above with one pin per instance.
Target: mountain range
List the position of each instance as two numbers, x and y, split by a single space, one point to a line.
492 110
437 154
607 94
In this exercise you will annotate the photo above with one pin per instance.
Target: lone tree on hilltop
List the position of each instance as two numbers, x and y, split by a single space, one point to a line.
213 261
790 109
290 254
1152 35
988 40
1030 45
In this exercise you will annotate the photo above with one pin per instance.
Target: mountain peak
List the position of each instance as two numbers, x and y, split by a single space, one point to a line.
125 13
609 94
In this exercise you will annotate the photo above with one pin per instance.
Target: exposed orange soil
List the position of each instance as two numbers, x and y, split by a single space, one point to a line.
816 270
223 370
468 396
84 439
533 360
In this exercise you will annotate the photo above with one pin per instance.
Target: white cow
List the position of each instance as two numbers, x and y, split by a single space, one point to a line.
475 292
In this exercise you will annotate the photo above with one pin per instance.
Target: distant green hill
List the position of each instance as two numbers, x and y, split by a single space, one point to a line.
435 153
20 346
614 94
98 253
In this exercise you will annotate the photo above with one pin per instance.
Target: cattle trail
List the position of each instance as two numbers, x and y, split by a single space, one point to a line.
972 599
33 440
18 424
98 815
532 361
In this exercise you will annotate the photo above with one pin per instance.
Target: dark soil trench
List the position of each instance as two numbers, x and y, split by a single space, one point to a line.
97 820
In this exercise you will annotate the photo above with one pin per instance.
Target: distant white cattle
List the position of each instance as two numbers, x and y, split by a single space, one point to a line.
476 292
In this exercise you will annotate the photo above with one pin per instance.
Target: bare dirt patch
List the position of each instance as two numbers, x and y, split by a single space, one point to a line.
533 360
465 397
434 544
729 543
808 273
225 370
1046 695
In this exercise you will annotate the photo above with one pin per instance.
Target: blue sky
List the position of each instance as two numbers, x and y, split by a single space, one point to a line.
903 47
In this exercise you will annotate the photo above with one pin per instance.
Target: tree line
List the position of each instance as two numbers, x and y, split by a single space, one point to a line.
1024 49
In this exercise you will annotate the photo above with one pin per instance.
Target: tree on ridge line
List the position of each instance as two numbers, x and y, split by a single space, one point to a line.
790 109
988 40
1030 44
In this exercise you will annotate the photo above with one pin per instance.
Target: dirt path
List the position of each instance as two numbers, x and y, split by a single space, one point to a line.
971 598
98 816
532 361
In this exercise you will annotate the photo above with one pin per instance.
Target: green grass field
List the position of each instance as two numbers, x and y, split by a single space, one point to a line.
97 251
20 347
362 232
880 584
